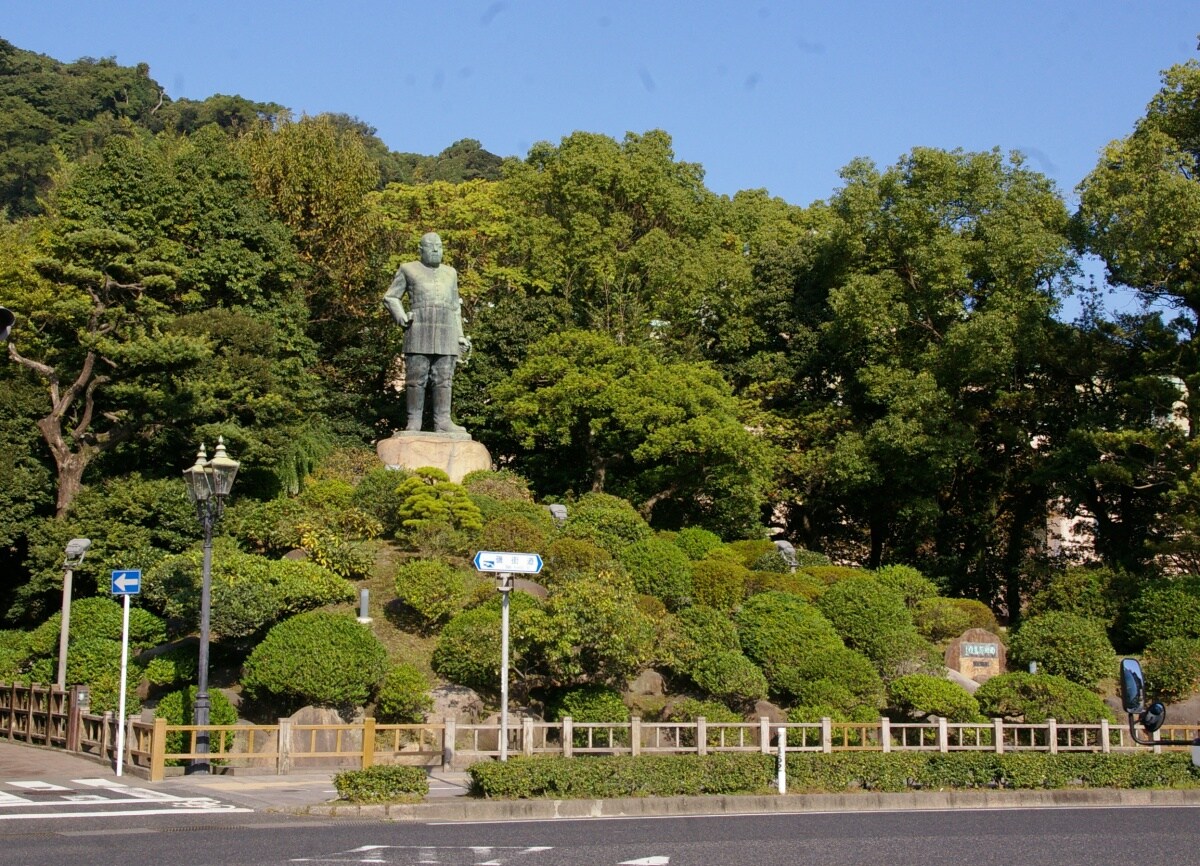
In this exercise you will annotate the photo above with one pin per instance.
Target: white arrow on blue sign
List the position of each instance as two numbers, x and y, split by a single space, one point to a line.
127 582
514 563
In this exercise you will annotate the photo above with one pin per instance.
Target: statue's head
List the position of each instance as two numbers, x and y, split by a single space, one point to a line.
431 250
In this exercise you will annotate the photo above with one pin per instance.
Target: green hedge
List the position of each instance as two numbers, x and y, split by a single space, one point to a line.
676 775
623 776
382 784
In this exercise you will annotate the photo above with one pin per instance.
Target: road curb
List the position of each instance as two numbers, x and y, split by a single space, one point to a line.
469 809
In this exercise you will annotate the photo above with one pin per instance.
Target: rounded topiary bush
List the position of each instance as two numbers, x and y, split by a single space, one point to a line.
730 677
177 665
566 558
378 493
694 632
1067 645
588 704
317 657
696 542
502 484
608 521
1033 698
940 619
468 647
1091 592
179 707
403 696
873 619
921 696
660 569
509 531
719 583
1172 668
1165 609
908 581
432 589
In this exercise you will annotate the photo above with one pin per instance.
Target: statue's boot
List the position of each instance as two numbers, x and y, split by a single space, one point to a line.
441 411
414 399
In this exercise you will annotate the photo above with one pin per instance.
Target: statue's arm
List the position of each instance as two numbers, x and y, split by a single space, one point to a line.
392 299
464 342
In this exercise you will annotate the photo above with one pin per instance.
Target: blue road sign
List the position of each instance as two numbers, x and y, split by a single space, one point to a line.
127 582
508 563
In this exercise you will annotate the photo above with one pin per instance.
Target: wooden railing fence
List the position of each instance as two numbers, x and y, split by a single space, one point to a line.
47 716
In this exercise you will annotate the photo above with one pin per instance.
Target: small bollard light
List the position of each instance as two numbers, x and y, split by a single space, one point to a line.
362 606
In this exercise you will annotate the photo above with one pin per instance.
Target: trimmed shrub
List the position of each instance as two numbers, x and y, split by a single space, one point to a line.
14 654
910 583
1172 668
834 676
382 784
607 521
831 574
872 618
777 631
316 658
730 677
512 531
774 562
1090 592
249 593
694 632
921 696
1022 697
623 776
178 708
940 619
588 704
1165 609
378 493
574 557
433 589
696 542
177 665
502 484
748 551
660 569
719 583
430 499
403 696
468 648
1065 644
793 583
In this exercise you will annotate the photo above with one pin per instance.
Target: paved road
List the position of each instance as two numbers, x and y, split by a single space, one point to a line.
1042 837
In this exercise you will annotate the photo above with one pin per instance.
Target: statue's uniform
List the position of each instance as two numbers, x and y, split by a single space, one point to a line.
431 337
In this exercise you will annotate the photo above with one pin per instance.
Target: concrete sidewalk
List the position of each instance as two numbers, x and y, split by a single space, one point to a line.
313 794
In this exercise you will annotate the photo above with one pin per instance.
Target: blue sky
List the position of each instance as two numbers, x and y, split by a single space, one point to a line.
778 95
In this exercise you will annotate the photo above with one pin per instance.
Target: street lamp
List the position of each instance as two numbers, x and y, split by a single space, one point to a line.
73 558
209 483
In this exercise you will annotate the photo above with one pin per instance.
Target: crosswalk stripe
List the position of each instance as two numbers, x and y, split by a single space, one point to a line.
100 783
38 786
7 799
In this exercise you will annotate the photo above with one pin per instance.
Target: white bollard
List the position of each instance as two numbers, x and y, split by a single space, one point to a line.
782 760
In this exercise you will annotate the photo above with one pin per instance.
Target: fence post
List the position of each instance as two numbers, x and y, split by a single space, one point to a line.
127 756
826 734
885 733
158 750
29 708
635 736
943 735
764 734
1104 744
701 735
105 734
73 713
368 743
568 737
283 763
1155 736
449 740
1052 735
998 728
527 736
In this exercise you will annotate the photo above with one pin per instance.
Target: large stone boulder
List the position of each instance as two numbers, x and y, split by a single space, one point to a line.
456 702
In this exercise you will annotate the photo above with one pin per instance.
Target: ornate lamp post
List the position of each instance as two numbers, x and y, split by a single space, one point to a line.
209 483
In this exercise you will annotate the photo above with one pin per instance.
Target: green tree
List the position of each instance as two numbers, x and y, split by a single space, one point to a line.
591 414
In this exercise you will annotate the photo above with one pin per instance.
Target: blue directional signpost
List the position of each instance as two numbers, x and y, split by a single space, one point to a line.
125 582
504 564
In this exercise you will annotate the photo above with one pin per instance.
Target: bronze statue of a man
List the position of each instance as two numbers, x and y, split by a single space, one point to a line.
433 332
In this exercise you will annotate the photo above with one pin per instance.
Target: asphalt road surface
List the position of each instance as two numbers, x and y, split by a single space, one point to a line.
1032 837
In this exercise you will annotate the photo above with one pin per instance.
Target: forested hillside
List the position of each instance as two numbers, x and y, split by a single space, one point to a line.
881 377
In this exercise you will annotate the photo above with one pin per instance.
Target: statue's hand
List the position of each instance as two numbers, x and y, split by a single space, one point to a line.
464 345
404 320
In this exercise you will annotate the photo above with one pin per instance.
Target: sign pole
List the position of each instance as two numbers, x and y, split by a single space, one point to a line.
124 674
505 591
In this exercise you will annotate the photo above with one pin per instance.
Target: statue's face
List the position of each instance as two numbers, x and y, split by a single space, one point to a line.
431 251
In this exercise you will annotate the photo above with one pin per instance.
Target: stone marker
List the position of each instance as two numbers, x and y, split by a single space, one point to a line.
978 654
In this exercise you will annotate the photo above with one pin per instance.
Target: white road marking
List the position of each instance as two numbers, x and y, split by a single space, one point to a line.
100 783
426 854
38 786
7 799
657 860
121 813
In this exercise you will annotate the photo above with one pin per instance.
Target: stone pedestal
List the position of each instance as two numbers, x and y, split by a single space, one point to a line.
454 454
